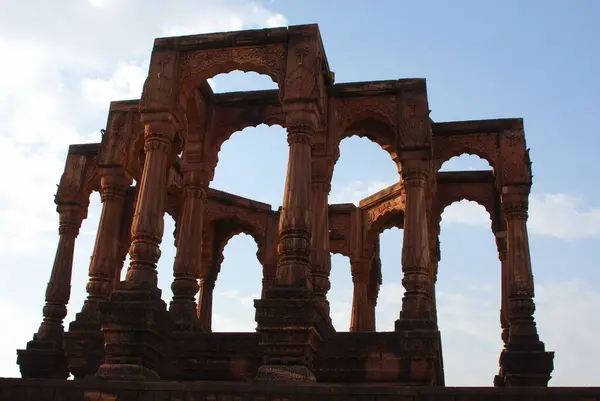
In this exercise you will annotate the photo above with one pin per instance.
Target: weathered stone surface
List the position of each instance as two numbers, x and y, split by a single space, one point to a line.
125 332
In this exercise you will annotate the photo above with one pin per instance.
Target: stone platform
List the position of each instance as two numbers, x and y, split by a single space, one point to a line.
88 390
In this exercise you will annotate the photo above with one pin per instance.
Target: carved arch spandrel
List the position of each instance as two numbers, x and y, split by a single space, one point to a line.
340 227
466 186
483 145
371 117
515 168
80 176
226 121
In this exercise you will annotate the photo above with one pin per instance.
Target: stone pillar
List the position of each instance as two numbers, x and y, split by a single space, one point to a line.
125 236
84 343
290 319
525 361
136 323
189 250
321 262
105 258
417 301
359 321
205 304
294 244
44 356
435 258
373 289
505 284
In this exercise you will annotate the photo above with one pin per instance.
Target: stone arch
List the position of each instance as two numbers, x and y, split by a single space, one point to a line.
481 145
197 66
225 230
373 127
213 150
390 217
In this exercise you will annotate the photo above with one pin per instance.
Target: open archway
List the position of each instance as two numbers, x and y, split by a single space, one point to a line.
239 283
468 292
465 162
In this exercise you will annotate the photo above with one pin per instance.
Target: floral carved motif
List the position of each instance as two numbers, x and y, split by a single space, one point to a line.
447 194
268 60
415 127
158 87
340 233
516 165
351 111
482 145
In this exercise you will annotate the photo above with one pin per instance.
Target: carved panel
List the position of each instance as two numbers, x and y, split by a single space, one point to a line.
482 145
196 66
415 125
483 193
79 179
373 117
340 232
516 165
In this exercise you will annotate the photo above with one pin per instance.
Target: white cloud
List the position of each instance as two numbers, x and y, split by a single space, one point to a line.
356 191
68 60
554 215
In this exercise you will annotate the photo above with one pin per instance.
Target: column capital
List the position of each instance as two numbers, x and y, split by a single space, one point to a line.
515 201
114 183
70 218
159 133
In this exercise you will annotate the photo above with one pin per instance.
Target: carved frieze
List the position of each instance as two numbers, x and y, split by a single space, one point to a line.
202 64
482 145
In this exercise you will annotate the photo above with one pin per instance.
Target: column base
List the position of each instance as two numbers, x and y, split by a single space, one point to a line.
42 360
136 327
84 343
292 323
525 368
282 374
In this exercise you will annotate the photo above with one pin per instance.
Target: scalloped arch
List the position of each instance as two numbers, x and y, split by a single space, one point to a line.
437 217
235 227
374 127
198 66
450 152
392 218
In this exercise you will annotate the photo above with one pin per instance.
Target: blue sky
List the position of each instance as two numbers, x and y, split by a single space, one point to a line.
534 60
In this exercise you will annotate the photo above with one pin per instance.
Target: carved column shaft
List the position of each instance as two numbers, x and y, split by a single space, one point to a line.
105 258
321 265
189 251
521 291
58 291
505 284
148 220
205 305
135 322
294 245
417 301
359 321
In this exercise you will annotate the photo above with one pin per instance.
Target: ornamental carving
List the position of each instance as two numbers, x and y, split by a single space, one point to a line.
415 126
516 164
294 337
352 111
482 145
202 64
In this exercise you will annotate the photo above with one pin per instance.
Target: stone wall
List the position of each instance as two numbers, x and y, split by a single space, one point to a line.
84 390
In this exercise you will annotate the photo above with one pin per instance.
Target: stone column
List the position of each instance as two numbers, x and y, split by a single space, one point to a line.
359 321
189 250
373 289
125 236
84 343
435 258
290 319
525 361
205 304
105 259
136 323
417 301
321 263
294 244
505 284
44 356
